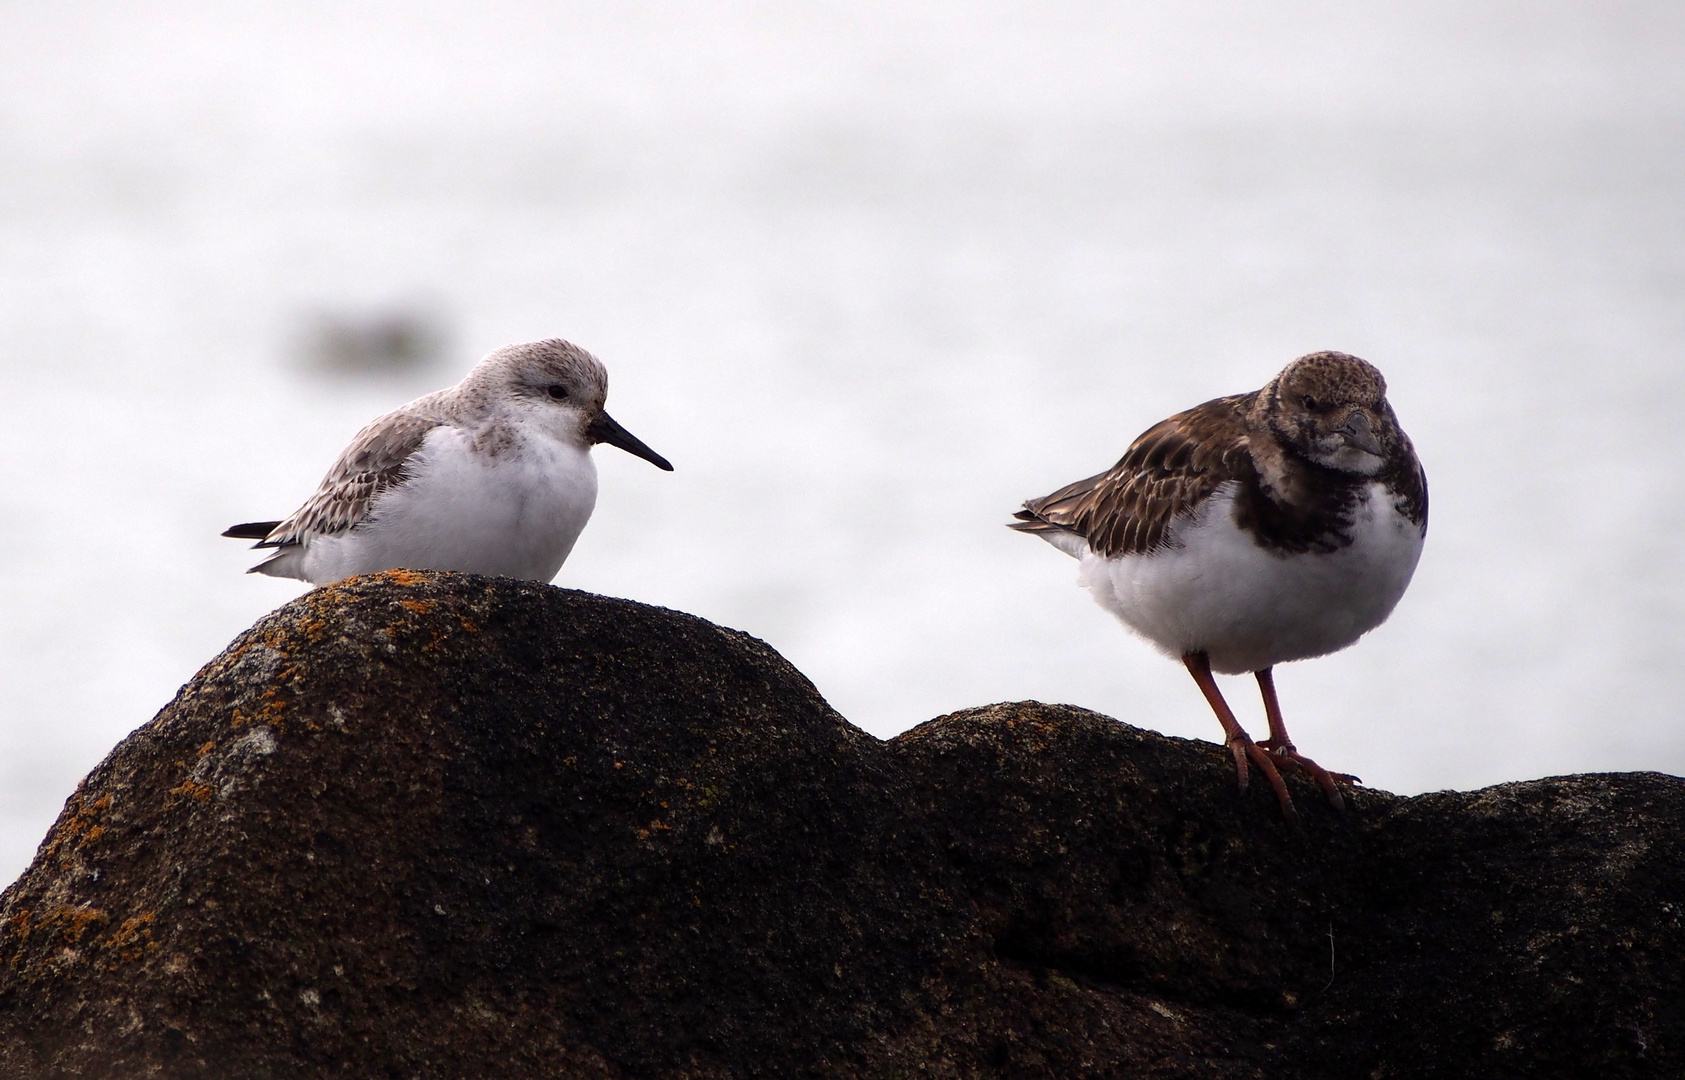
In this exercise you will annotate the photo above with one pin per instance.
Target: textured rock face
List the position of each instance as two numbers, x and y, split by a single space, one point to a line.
1525 930
433 825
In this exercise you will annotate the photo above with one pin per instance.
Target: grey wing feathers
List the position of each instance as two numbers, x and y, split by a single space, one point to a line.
373 463
1166 473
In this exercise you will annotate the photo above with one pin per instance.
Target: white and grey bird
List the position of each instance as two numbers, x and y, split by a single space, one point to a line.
491 476
1251 531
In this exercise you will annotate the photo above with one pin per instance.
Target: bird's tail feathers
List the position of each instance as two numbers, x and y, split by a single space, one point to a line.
288 562
1071 543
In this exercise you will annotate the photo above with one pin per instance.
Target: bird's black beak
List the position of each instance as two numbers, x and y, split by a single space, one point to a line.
1357 433
604 430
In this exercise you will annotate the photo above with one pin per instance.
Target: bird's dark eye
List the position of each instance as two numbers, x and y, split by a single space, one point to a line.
1311 403
558 391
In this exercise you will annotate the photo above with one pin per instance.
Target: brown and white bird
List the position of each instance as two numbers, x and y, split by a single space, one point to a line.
1253 530
491 476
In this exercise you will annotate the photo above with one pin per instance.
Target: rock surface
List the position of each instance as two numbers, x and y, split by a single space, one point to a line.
434 825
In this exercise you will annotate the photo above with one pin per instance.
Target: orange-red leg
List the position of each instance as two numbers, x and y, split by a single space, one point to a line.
1281 747
1240 744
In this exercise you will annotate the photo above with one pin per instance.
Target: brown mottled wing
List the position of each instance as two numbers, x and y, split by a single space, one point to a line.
1167 472
373 463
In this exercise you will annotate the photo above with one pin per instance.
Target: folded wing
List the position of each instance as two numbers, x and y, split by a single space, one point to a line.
1166 473
373 463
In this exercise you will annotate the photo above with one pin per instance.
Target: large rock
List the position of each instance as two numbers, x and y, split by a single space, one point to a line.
433 825
1527 930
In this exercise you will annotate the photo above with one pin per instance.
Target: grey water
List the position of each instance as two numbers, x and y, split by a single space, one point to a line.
870 274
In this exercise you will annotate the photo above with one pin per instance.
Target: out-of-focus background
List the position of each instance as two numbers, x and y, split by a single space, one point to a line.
870 273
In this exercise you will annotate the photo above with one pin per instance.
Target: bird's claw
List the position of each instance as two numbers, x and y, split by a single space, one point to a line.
1238 747
1285 755
1243 748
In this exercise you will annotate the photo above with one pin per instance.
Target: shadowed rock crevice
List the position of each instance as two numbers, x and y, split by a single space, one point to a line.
442 826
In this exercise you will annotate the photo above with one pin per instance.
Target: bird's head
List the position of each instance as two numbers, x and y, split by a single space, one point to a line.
1332 408
562 387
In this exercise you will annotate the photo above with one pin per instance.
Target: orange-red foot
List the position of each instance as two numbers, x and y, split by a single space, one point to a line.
1242 748
1285 755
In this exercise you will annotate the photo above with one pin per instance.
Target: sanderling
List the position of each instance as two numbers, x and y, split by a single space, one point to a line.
1253 530
491 476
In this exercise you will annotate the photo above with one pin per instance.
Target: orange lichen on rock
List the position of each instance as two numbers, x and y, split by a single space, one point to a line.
17 923
69 923
133 938
192 789
80 825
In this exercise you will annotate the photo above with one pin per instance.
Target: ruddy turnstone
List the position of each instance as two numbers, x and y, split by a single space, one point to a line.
1253 530
491 476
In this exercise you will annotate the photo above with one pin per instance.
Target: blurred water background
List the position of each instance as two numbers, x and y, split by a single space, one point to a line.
869 273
